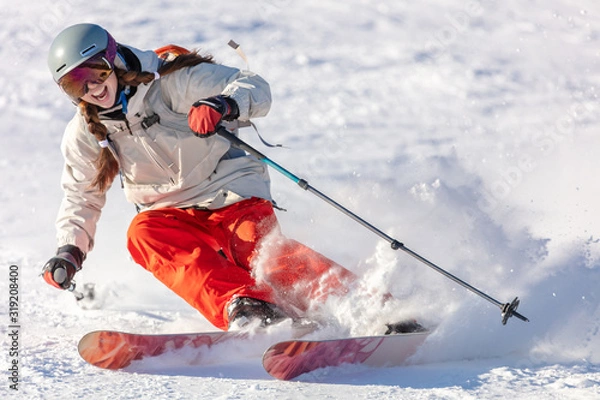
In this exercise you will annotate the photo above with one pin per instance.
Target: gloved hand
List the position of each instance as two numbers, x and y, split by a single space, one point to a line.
206 114
60 269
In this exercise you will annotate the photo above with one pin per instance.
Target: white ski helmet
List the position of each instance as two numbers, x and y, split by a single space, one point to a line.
76 44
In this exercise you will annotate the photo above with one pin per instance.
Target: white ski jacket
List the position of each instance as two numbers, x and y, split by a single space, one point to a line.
162 162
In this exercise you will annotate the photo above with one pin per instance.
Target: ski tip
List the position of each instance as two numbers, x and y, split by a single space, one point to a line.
290 359
105 349
278 359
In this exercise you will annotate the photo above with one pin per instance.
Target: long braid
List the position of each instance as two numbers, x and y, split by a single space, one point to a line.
106 164
133 78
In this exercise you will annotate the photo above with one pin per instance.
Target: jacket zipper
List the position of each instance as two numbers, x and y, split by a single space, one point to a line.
151 153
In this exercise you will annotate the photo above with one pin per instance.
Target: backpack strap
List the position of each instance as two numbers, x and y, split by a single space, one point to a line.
170 52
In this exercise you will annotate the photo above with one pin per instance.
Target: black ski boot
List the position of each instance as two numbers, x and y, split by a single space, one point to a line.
243 311
408 326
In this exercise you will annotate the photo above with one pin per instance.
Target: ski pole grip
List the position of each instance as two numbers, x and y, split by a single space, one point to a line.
60 275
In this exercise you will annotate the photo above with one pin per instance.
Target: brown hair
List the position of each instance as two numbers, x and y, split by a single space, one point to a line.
106 164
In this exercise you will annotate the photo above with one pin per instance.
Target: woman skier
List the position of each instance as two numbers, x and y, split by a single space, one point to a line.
205 209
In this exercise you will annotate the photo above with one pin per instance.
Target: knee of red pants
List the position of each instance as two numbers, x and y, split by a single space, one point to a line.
170 230
296 272
174 251
302 275
143 234
243 226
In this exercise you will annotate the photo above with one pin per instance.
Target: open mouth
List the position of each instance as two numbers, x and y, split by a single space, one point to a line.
102 95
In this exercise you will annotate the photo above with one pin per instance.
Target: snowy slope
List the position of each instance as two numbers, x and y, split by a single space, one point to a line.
467 130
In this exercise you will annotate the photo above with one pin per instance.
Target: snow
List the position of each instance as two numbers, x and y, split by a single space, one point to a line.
467 130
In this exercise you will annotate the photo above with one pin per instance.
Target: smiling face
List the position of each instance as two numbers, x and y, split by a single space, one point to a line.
102 94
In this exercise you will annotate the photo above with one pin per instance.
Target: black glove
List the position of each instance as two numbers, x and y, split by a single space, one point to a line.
60 269
206 114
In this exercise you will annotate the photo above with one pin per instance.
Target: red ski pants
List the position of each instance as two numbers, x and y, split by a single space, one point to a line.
205 256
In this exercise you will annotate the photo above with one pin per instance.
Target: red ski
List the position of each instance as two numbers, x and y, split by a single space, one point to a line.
290 359
116 350
283 360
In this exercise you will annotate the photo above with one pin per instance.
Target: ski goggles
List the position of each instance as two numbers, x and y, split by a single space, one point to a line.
94 70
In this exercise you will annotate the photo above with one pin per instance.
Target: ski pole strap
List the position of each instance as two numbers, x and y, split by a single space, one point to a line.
261 138
237 142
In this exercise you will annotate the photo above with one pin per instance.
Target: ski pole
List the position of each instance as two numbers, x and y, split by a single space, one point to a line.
73 289
507 309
